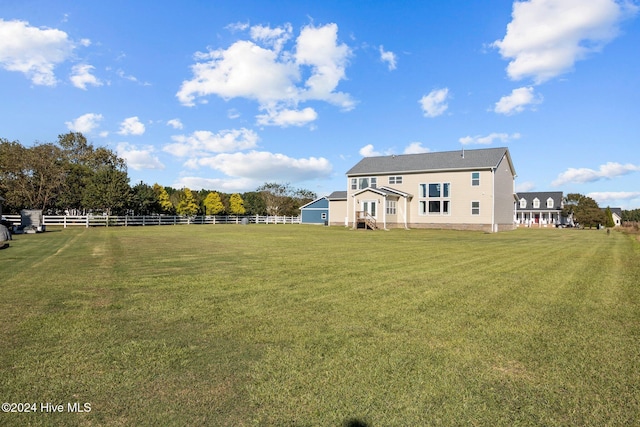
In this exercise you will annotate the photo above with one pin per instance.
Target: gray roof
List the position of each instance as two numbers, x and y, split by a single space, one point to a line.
445 160
617 211
337 195
543 196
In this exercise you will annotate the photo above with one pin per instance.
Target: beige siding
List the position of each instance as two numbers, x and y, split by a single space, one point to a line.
337 212
462 193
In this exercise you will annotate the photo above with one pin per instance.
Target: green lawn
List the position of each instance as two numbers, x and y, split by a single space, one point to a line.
294 325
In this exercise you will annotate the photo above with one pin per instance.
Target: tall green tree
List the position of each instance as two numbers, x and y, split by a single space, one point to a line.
609 222
12 155
632 215
584 210
254 203
187 205
213 203
108 191
144 200
31 177
83 161
236 204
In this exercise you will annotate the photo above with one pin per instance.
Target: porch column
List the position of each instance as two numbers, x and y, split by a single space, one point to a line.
384 212
405 213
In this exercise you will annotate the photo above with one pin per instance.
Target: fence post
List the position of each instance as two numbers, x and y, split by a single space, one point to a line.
64 221
87 220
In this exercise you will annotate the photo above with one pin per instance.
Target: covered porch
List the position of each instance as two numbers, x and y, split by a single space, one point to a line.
380 208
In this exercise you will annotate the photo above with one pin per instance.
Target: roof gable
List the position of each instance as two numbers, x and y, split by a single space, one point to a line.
383 191
437 161
319 203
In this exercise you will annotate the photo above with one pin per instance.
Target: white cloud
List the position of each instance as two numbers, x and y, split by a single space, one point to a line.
85 123
81 76
131 126
265 166
139 158
435 103
525 186
517 101
33 51
262 70
415 148
273 37
369 151
489 139
227 185
202 142
388 57
546 37
243 70
318 48
606 198
607 171
131 78
175 123
285 117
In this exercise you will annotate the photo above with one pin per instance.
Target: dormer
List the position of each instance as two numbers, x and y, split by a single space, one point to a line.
523 203
549 203
536 203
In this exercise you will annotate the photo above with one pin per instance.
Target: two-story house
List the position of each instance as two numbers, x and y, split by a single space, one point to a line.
540 209
464 189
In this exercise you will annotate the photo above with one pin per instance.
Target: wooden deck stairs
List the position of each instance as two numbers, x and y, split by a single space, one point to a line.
365 221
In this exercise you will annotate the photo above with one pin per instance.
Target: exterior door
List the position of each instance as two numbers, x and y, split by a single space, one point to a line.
369 206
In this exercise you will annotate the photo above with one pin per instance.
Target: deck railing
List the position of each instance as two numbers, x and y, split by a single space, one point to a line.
365 218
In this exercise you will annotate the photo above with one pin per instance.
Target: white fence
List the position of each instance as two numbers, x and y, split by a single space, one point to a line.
116 221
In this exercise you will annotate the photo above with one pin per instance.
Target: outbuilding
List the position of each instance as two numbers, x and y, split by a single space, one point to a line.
315 212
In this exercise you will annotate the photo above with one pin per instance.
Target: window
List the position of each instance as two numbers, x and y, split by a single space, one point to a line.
475 208
475 179
395 180
549 203
523 203
536 203
362 183
436 197
434 190
391 207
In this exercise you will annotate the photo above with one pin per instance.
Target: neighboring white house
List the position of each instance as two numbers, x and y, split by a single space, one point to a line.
540 209
616 213
464 189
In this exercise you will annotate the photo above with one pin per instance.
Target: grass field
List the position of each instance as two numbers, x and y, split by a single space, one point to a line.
293 325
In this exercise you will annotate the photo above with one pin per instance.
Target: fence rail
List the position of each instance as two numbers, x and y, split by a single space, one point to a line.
125 221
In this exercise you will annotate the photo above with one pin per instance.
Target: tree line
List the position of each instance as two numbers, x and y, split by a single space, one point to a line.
73 177
585 211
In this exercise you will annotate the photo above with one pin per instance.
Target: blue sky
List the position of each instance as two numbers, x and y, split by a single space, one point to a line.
227 95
